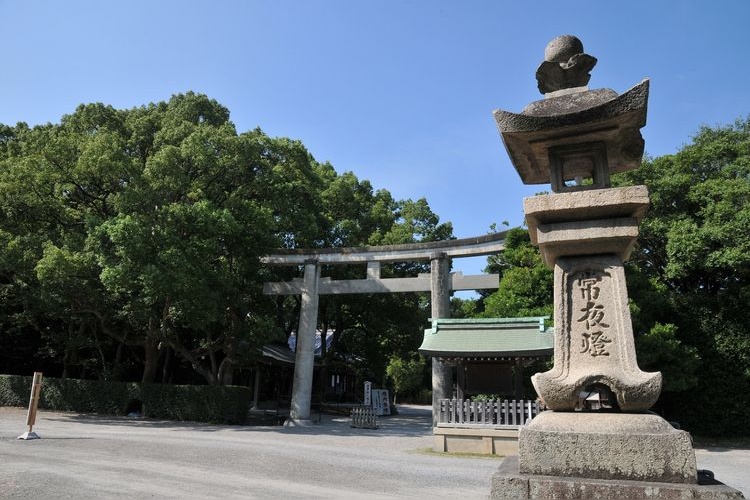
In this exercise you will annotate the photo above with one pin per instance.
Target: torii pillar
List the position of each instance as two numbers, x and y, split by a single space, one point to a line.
440 295
304 358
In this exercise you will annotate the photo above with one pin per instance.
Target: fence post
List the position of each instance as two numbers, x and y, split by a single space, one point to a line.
531 411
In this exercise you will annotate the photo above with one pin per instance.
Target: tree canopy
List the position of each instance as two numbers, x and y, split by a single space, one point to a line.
131 241
526 283
689 278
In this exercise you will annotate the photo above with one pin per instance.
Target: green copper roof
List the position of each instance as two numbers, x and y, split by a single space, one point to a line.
488 337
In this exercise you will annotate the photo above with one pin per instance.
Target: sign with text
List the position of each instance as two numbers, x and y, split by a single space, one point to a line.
368 393
381 404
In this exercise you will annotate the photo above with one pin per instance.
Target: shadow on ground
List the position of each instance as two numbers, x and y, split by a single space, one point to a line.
410 422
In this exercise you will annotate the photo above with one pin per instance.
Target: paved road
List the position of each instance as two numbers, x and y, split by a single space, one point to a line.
95 457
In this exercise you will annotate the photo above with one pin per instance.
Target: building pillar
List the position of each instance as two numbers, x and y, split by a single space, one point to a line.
305 351
442 376
518 378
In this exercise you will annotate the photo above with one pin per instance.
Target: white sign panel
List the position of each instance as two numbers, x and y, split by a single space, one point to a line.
380 402
368 397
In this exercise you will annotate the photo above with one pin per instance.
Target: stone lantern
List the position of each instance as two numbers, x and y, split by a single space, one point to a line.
574 139
598 440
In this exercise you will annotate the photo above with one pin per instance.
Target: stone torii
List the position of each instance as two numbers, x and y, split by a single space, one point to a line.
439 282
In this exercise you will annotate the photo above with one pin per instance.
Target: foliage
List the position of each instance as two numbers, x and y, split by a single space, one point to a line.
691 269
660 349
464 308
423 397
526 283
225 404
143 228
228 405
405 374
486 397
373 328
130 245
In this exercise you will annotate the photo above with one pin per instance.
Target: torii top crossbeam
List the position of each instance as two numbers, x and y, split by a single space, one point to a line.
465 247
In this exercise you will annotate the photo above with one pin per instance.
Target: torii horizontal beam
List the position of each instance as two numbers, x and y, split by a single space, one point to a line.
489 244
422 283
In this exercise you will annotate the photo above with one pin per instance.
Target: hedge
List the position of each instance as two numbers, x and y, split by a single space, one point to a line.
198 403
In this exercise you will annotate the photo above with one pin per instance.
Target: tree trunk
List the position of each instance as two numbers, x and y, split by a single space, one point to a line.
151 354
231 346
117 363
182 351
66 363
226 368
166 372
226 372
70 357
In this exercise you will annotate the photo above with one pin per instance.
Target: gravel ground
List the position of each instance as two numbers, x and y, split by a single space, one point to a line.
99 457
86 456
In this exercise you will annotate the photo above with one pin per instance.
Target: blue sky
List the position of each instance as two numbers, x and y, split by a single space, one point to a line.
399 92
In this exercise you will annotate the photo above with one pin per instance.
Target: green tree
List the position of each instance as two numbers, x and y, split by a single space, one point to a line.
660 349
378 326
58 182
130 237
405 374
464 308
183 251
691 268
526 283
144 227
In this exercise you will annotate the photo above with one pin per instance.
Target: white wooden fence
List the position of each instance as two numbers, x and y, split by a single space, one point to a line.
497 413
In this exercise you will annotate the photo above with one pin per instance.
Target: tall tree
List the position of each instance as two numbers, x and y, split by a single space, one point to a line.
693 257
138 233
526 283
144 227
183 251
58 182
379 326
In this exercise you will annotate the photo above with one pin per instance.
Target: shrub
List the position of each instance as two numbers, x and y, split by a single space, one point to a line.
406 374
203 403
424 397
199 403
486 397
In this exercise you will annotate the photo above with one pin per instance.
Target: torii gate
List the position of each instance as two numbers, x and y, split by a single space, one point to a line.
440 282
